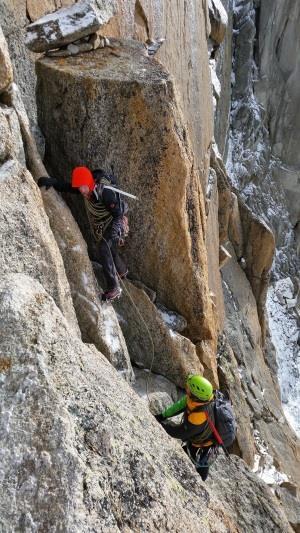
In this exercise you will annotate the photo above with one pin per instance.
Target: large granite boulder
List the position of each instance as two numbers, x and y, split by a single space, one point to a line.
79 450
28 245
97 325
143 136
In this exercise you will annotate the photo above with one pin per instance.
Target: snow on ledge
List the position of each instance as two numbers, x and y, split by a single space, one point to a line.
284 330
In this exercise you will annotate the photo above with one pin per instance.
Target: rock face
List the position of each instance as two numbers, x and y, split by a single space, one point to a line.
223 71
277 91
152 344
64 26
68 460
97 325
35 10
248 498
133 98
254 164
6 71
260 399
156 386
97 460
29 246
11 144
258 253
173 320
131 477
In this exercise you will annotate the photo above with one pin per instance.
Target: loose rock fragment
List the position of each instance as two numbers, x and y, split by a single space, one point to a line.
65 26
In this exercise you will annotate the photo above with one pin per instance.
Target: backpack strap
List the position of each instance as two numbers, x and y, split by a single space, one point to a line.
216 434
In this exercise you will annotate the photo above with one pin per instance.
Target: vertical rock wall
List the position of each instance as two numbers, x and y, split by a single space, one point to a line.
278 91
142 135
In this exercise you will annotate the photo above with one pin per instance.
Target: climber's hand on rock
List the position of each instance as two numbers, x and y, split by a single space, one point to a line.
159 418
47 182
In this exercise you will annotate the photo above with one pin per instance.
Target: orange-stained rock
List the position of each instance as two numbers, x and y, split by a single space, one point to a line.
206 351
35 9
118 107
212 247
38 9
218 20
224 194
259 249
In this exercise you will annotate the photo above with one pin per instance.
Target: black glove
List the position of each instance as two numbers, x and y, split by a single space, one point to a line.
159 418
48 182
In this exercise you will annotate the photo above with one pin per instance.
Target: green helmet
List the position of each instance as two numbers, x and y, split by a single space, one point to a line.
200 387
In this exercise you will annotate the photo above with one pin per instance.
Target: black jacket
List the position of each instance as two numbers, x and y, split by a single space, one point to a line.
114 206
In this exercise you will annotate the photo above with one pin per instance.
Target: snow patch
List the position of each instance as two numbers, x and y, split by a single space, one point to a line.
284 330
264 464
111 336
77 248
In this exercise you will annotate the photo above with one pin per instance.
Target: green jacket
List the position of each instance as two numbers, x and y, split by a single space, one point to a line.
194 427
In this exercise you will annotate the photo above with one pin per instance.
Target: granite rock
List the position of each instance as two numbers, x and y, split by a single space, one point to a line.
171 216
65 26
79 450
6 69
28 243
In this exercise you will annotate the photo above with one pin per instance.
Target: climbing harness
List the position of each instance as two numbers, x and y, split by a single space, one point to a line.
203 457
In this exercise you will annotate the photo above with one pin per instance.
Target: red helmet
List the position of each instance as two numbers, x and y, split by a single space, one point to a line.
82 176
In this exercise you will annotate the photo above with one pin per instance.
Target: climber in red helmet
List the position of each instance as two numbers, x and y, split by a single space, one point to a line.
106 211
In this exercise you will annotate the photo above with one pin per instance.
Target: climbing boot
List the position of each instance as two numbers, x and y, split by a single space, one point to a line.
112 294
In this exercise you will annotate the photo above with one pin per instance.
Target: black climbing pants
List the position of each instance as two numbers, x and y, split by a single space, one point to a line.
111 261
201 461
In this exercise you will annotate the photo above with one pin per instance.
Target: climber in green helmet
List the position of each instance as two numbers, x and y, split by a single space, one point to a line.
195 431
